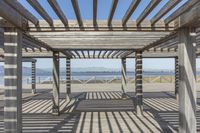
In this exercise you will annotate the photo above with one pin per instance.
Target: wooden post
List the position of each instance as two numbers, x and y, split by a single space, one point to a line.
138 83
13 81
68 78
56 84
176 77
33 76
124 78
187 82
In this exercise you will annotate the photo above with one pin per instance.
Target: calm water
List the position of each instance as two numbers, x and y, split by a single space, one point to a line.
88 75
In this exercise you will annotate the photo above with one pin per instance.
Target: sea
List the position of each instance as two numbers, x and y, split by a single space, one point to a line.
89 75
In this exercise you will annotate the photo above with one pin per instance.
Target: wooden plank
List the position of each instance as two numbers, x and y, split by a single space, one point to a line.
88 25
164 10
130 11
58 11
12 16
77 12
83 53
147 11
23 11
95 3
112 11
184 8
36 5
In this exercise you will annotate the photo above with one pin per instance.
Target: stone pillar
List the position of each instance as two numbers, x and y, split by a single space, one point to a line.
187 82
176 77
13 81
68 78
33 77
138 83
124 78
56 84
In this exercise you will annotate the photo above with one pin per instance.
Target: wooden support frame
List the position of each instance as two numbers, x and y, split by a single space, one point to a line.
13 82
36 5
112 11
77 12
187 82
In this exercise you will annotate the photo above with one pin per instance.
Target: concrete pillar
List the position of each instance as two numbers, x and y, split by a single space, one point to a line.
33 77
13 81
138 83
187 82
68 77
124 78
56 84
176 77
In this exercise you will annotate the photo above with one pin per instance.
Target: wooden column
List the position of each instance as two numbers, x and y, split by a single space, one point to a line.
33 77
176 77
124 78
13 81
138 83
68 77
56 84
187 82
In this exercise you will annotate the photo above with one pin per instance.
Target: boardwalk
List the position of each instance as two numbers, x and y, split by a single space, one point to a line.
101 111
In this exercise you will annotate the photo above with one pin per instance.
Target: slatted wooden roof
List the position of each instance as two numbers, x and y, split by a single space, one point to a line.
97 38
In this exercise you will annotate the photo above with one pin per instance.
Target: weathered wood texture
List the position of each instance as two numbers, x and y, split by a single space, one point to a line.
138 83
13 82
56 84
187 82
124 77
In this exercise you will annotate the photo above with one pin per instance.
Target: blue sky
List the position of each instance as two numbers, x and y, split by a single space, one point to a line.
102 14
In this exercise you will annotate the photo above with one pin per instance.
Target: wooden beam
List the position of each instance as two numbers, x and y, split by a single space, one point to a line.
94 54
187 86
12 16
77 12
190 18
99 54
184 8
36 5
95 3
103 56
56 84
83 53
164 10
147 10
160 41
58 11
23 11
109 53
112 11
77 53
130 11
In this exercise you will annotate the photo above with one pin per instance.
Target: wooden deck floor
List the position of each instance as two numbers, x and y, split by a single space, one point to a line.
100 112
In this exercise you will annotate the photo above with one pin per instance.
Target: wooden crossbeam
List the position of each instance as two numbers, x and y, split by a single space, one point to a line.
160 41
88 53
120 53
184 8
164 10
77 53
126 54
94 54
109 53
83 53
147 10
99 54
66 53
36 5
37 42
95 3
77 12
8 13
130 11
23 11
58 11
112 56
103 56
112 11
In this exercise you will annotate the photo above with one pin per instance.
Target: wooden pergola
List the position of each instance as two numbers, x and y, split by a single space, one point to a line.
177 36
